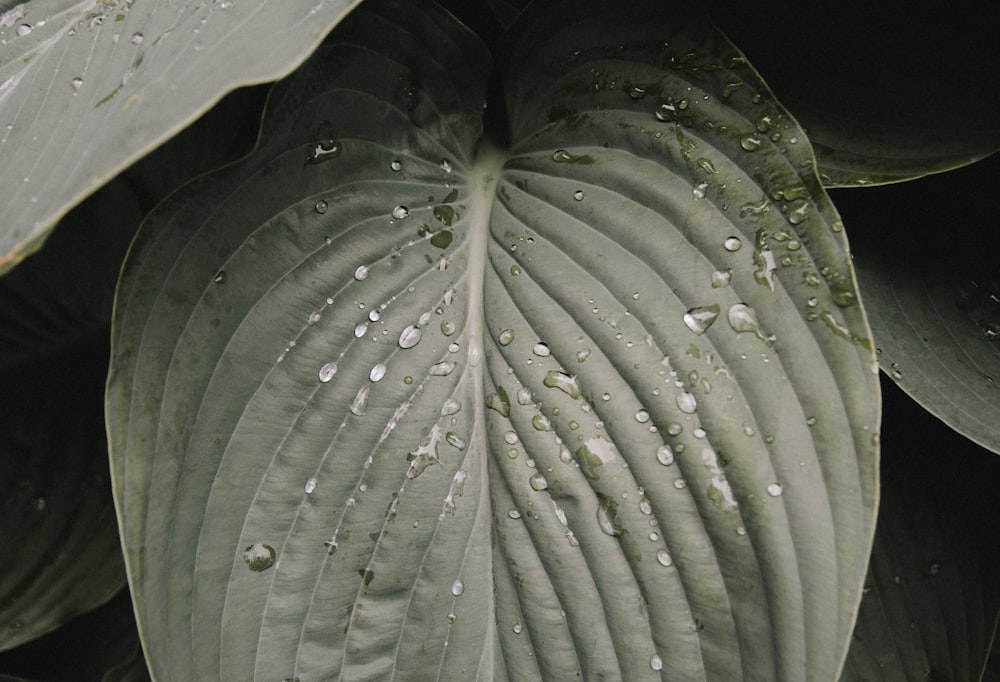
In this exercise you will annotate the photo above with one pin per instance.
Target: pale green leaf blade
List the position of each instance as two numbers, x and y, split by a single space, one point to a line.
326 173
696 176
931 283
88 88
408 418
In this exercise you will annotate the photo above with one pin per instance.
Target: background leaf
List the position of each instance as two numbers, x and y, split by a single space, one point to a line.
887 92
932 597
87 89
929 274
379 407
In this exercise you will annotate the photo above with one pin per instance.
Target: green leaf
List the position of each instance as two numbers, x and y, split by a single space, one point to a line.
928 272
891 94
932 598
62 554
111 81
389 400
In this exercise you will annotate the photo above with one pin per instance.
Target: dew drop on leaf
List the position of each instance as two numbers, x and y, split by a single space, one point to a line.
327 371
774 489
361 273
733 244
410 337
664 455
377 372
506 337
664 558
541 350
442 369
562 381
458 587
310 486
701 318
538 482
259 557
400 212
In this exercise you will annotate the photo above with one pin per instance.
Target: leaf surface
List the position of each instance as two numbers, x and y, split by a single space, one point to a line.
88 88
887 95
927 267
391 401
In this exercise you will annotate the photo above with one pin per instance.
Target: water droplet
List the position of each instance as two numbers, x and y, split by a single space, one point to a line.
396 165
564 382
448 327
642 416
327 371
259 557
360 329
538 482
515 270
24 29
321 206
701 318
136 38
445 165
664 455
77 83
732 244
506 336
510 437
458 587
499 401
607 516
442 369
664 558
721 278
699 190
666 112
360 404
361 273
220 277
454 440
742 318
680 484
798 211
513 513
674 429
310 486
400 212
410 336
541 423
517 628
774 489
374 315
741 531
377 372
578 195
645 506
541 350
751 142
687 403
656 663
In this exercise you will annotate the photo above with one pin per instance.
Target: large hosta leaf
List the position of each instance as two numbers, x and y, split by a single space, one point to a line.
388 403
86 88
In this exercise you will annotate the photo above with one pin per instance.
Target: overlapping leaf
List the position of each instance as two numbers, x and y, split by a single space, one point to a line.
388 402
88 88
929 275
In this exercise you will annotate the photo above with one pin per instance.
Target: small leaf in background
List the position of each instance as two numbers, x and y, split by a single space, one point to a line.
932 597
87 89
928 269
388 399
888 92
